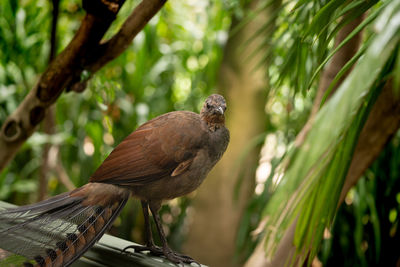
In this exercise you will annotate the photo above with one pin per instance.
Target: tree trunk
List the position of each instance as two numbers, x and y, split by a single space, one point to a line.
212 234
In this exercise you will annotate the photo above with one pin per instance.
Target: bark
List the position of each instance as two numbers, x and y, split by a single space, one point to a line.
217 214
84 54
286 249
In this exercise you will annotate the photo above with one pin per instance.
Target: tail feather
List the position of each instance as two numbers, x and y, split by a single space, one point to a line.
57 231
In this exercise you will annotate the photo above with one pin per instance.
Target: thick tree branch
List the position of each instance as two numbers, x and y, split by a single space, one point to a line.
66 69
120 41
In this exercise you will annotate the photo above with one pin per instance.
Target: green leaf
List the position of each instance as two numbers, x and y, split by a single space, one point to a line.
323 16
344 69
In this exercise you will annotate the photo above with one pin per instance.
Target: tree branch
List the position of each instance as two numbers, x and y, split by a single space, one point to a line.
120 41
66 69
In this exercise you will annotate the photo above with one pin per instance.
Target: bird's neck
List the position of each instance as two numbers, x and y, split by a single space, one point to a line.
214 122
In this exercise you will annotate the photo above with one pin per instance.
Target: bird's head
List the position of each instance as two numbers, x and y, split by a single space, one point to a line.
213 109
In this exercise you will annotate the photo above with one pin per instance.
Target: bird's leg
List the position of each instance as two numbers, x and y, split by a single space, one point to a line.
147 226
167 251
150 246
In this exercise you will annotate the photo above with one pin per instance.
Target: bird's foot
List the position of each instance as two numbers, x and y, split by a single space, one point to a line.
178 258
172 256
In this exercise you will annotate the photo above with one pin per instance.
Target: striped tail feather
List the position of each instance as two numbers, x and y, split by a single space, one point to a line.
57 231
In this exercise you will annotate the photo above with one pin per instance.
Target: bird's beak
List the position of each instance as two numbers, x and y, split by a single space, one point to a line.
220 110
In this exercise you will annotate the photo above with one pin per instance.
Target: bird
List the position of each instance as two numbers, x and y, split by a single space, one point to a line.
164 158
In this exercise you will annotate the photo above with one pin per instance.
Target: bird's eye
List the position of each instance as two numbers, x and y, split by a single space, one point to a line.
208 106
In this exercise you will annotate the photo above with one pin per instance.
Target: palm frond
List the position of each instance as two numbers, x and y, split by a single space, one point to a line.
358 29
299 35
316 170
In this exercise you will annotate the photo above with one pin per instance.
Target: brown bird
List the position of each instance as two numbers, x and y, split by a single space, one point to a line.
167 157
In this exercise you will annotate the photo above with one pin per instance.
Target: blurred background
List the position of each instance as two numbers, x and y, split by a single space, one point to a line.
267 58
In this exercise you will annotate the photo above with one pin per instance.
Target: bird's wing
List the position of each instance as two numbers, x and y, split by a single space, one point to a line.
154 151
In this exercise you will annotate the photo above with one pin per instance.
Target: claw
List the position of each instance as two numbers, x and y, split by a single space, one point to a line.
178 258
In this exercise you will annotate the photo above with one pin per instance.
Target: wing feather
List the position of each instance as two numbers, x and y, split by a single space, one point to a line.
154 150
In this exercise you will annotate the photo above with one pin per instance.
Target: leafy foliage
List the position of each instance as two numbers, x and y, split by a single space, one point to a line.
313 173
304 35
